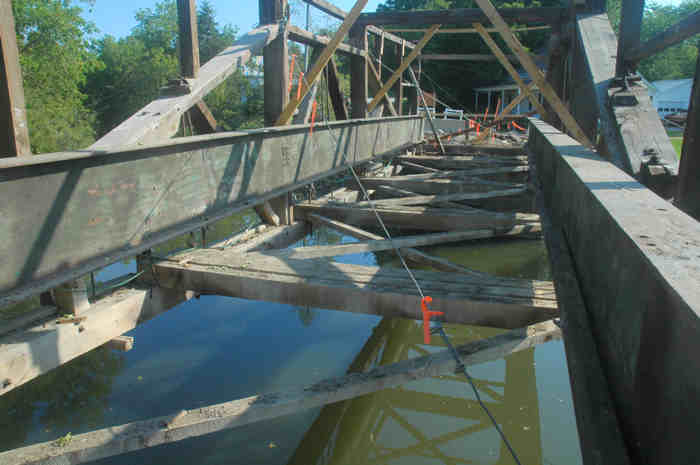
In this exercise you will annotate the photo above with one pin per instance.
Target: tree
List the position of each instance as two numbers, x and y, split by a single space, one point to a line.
56 58
212 40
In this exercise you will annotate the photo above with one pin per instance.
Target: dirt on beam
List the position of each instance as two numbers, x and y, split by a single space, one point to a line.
199 421
421 218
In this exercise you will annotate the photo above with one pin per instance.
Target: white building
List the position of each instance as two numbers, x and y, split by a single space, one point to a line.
670 96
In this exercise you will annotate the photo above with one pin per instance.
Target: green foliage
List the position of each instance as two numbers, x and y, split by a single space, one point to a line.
675 62
131 76
212 39
55 57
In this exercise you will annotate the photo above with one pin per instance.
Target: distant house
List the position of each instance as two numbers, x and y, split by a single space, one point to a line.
670 95
507 90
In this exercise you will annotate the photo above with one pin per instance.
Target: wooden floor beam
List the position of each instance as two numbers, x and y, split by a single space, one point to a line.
439 186
198 421
421 218
355 288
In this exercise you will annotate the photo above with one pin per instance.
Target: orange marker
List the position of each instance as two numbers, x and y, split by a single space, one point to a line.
301 79
427 313
519 127
313 118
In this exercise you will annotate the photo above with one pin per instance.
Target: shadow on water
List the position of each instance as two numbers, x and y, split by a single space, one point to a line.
217 349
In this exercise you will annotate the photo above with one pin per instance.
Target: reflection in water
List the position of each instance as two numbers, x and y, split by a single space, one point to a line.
436 420
216 349
74 397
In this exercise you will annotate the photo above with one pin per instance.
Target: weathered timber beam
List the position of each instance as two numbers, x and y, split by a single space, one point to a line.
320 251
439 186
632 135
73 219
632 313
302 36
688 193
265 238
389 192
431 199
14 128
26 355
203 120
355 288
323 59
138 435
462 57
680 31
598 428
422 218
160 119
471 30
336 94
422 258
336 12
457 162
402 67
631 13
187 38
548 15
480 171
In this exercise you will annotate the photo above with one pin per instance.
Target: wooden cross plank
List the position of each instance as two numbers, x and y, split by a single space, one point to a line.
402 67
198 421
14 128
422 218
535 74
326 55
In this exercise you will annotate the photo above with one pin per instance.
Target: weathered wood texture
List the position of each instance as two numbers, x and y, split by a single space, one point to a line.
463 162
28 354
547 15
335 93
641 287
203 120
685 28
160 119
462 57
187 38
309 38
14 130
75 212
355 288
630 31
204 420
439 186
358 73
421 218
688 195
632 136
599 433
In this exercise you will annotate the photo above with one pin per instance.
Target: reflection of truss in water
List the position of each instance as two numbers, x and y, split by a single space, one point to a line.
389 425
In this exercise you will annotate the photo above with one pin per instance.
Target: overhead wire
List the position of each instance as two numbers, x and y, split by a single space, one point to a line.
439 329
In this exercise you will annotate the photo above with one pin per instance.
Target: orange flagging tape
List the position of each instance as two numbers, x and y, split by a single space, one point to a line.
427 313
313 118
301 79
519 127
291 73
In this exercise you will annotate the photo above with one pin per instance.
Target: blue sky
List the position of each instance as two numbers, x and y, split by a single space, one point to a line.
117 17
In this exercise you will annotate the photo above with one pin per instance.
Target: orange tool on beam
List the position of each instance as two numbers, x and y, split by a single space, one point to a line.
427 313
313 118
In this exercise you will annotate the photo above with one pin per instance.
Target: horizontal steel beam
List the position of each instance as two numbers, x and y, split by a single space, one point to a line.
75 212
